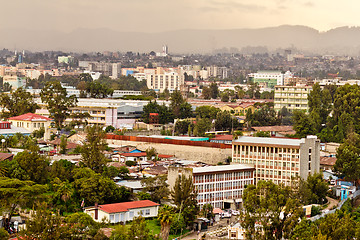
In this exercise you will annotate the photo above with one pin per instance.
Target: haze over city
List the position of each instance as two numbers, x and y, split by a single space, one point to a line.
162 15
186 26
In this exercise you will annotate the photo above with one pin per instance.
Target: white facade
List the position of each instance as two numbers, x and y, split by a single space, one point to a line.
278 159
159 82
119 212
292 97
217 185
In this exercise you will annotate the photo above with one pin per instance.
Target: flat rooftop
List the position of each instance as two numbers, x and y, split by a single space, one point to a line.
269 141
222 168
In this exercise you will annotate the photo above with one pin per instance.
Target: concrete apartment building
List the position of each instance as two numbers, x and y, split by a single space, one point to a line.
278 159
167 80
292 97
221 186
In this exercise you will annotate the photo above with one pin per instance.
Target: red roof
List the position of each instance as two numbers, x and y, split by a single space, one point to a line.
135 154
223 137
164 156
125 206
217 211
30 117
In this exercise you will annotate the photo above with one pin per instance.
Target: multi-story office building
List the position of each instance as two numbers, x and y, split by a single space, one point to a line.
292 97
278 159
268 79
168 80
104 111
221 186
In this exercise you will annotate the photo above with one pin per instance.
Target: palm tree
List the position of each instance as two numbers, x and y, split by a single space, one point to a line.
165 216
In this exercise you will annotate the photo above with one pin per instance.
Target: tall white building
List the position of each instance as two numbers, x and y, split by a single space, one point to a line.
159 82
278 159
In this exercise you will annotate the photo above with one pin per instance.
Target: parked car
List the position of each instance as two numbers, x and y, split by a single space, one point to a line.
235 212
225 214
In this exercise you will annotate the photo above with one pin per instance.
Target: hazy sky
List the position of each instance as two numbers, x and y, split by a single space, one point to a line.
164 15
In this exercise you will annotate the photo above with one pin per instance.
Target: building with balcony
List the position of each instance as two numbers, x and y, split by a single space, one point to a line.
168 80
220 186
292 97
278 159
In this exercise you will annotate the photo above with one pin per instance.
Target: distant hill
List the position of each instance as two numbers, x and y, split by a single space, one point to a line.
343 40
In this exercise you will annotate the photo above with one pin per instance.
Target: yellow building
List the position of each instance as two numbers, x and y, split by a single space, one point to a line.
32 122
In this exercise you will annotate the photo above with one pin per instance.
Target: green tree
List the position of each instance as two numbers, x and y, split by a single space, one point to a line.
62 169
151 153
206 92
225 97
202 125
207 211
348 158
182 127
166 217
303 230
184 196
139 230
17 103
274 207
6 87
95 188
92 151
214 90
165 114
318 188
63 144
239 92
97 90
58 104
15 193
34 165
156 187
207 112
303 124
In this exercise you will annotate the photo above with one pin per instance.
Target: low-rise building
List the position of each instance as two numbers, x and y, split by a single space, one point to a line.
278 159
220 186
32 122
123 212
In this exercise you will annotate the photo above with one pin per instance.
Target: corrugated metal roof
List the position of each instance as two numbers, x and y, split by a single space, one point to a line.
270 141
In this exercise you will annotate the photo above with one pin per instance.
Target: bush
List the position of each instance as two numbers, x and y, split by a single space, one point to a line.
315 211
130 163
4 234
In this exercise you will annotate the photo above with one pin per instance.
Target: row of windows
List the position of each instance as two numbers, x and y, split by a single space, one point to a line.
222 176
270 163
267 150
223 185
277 173
35 125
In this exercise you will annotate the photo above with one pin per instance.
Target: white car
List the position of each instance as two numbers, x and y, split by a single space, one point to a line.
235 212
226 214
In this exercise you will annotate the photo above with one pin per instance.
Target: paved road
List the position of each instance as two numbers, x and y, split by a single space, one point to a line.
332 203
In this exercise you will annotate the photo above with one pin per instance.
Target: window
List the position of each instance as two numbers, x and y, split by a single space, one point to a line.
147 212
